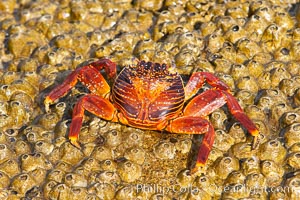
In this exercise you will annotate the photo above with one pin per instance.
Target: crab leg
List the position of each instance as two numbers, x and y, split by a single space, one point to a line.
197 80
195 125
97 105
210 100
205 103
89 75
239 114
201 106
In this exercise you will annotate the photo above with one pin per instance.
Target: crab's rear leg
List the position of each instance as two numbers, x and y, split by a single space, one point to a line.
96 105
195 125
89 75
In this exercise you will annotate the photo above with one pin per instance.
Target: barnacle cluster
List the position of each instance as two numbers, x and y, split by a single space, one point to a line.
253 46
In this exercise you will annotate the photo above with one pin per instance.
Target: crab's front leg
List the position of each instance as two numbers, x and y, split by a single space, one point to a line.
89 75
96 105
212 99
197 80
203 105
195 125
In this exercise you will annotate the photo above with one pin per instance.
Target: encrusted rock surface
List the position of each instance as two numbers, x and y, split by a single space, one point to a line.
253 46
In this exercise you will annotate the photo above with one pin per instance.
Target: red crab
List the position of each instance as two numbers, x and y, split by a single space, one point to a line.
149 96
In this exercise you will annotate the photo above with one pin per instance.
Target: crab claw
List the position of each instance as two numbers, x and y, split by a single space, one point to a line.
75 142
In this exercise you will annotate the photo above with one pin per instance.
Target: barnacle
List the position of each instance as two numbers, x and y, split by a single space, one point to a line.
164 150
273 172
237 133
32 162
103 190
272 150
224 166
102 153
218 119
223 140
251 165
248 83
291 134
75 180
60 191
56 175
234 178
255 180
22 183
293 160
5 153
243 150
126 192
5 180
136 155
70 154
108 165
106 177
129 171
22 147
293 182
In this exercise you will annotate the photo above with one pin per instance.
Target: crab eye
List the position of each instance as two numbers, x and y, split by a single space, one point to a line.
163 66
157 67
142 63
147 65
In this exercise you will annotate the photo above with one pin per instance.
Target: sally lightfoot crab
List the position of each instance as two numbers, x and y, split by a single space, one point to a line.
149 96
